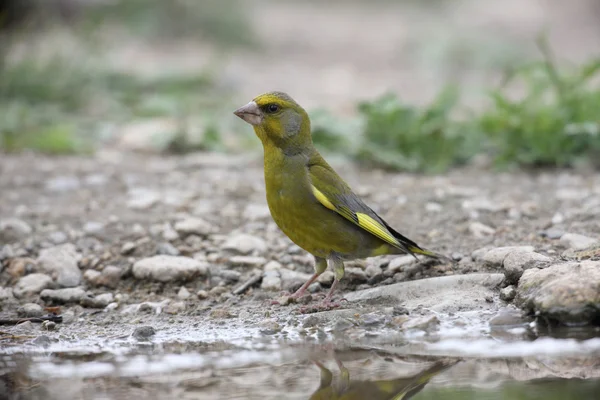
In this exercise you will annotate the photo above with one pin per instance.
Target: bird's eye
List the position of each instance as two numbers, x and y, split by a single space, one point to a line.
272 108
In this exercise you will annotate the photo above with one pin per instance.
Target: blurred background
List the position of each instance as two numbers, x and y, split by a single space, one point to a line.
390 83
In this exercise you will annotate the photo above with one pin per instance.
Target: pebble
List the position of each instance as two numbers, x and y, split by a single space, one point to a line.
247 261
269 327
399 263
169 233
517 262
14 230
291 280
194 226
63 183
202 294
355 275
271 280
230 275
48 326
142 199
254 212
143 332
245 244
104 299
576 241
6 294
495 256
567 292
175 307
128 248
183 293
168 249
427 323
29 310
326 278
93 227
163 268
32 284
61 261
433 207
507 317
17 267
42 341
63 296
58 237
552 233
508 293
480 230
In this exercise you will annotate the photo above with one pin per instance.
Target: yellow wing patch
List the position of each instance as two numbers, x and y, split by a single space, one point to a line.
322 198
374 227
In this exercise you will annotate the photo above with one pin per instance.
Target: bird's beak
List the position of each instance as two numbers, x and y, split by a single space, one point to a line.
250 113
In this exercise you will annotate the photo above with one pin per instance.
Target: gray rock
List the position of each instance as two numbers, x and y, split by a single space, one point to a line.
495 257
58 237
271 280
42 341
62 183
183 293
6 294
568 293
427 324
576 241
32 284
29 310
91 276
128 248
292 279
6 251
399 263
110 277
508 293
143 332
14 230
230 275
245 244
247 261
142 199
355 275
175 307
168 249
507 317
373 271
254 212
169 233
194 226
202 294
63 296
480 230
269 327
168 268
93 227
104 299
517 262
552 233
48 326
61 262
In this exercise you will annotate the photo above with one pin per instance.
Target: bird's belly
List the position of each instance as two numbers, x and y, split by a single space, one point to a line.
319 230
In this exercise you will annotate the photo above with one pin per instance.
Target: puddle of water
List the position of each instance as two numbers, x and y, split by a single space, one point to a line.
546 368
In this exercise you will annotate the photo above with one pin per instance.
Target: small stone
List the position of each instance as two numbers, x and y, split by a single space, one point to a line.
218 290
482 204
355 275
254 212
517 262
30 310
175 307
221 313
169 233
19 266
230 276
143 332
291 280
508 293
271 280
13 230
428 323
42 341
269 327
92 276
202 294
373 270
25 327
372 319
110 277
495 257
58 237
552 233
247 261
433 207
142 199
31 284
399 263
63 296
507 317
104 299
183 293
164 268
480 230
326 278
128 248
63 183
245 244
194 226
93 227
168 249
48 325
6 294
558 219
61 261
576 241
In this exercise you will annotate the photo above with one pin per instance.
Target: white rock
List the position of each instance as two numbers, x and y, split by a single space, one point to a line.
399 263
63 296
183 293
292 279
495 257
61 262
271 280
433 207
480 230
142 199
6 293
254 212
577 242
104 299
165 268
194 226
32 284
13 230
245 244
93 227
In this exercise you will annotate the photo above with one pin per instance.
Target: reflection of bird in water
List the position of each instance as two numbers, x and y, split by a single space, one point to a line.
391 389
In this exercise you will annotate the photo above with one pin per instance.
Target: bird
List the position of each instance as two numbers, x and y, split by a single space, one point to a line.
311 204
400 388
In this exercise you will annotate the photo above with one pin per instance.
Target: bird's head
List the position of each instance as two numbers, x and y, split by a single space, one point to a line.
278 120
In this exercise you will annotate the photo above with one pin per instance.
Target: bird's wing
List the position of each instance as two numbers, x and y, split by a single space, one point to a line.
333 193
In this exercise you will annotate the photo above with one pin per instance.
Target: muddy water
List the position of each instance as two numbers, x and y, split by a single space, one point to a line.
508 364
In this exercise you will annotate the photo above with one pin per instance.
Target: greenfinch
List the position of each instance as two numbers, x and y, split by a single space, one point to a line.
389 389
309 201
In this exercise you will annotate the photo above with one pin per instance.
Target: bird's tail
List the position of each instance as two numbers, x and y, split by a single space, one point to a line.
412 248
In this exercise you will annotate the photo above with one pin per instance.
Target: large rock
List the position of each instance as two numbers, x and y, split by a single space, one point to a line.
576 241
495 257
194 226
13 230
517 262
165 268
31 284
61 263
568 293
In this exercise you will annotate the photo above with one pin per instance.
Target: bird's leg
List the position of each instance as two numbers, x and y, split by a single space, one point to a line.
320 267
338 267
326 375
344 374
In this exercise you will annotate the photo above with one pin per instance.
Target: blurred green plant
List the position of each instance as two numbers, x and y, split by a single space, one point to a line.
556 123
404 137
